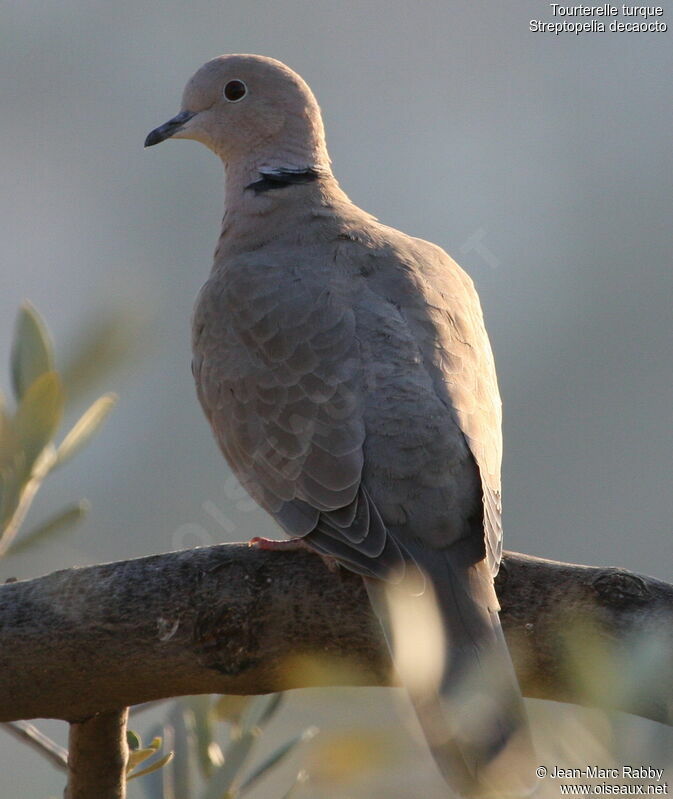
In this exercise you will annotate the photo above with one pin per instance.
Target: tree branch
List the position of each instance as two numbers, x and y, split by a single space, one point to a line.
97 757
230 619
37 740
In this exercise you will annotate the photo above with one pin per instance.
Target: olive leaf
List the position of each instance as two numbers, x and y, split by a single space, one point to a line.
260 711
32 351
235 757
133 740
200 718
64 519
230 708
152 767
183 766
39 415
139 754
85 427
276 757
27 449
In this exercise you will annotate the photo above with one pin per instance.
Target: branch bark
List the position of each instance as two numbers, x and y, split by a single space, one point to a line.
230 619
97 757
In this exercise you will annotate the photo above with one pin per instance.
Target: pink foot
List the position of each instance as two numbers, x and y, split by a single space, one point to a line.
292 545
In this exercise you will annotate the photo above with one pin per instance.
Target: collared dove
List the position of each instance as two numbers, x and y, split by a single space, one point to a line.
348 378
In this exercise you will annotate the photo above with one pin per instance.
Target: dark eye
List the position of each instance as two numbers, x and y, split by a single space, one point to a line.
235 90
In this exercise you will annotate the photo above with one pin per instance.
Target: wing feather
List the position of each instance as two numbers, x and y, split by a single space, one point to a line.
280 378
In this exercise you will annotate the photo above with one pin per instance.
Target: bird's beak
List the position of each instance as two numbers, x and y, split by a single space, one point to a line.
169 128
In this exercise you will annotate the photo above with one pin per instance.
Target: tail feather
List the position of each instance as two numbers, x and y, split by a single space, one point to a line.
472 713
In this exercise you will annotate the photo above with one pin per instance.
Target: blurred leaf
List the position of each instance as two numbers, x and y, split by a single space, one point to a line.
207 749
85 427
111 337
589 660
260 711
27 452
39 415
159 784
61 521
138 756
277 756
235 758
9 440
320 670
133 740
153 767
230 707
184 744
11 484
12 461
340 755
190 730
300 779
6 489
215 753
32 353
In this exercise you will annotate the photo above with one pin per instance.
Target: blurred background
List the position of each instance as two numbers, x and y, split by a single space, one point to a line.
542 163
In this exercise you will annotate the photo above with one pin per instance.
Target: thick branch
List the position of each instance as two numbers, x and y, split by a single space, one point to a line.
229 619
97 757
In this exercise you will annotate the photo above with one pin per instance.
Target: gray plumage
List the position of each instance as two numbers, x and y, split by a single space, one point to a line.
347 375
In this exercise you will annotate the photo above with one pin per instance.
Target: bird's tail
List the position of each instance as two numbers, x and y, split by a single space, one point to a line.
464 689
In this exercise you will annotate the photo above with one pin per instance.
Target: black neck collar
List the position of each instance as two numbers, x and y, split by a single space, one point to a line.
282 178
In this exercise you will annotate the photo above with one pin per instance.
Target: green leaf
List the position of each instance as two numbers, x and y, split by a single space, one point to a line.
10 444
277 756
133 740
138 756
260 711
159 784
59 522
235 758
152 767
39 415
32 352
85 427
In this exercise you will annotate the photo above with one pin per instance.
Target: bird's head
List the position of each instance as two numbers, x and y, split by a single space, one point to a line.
249 107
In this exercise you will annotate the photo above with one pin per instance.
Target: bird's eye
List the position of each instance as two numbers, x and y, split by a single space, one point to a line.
235 90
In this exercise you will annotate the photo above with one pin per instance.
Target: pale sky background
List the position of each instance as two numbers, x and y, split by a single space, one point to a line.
449 120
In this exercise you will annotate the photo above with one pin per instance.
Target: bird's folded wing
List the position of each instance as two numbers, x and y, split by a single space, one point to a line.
443 311
286 406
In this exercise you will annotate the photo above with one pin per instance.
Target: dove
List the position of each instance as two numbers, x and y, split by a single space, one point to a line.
346 373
